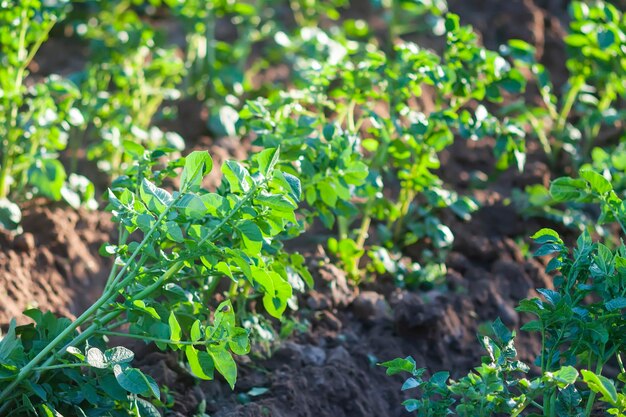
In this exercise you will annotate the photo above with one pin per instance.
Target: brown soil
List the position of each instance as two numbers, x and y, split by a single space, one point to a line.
54 265
330 370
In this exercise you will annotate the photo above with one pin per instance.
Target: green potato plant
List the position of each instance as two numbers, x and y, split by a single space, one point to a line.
580 321
570 124
354 127
124 85
34 120
223 69
583 126
174 249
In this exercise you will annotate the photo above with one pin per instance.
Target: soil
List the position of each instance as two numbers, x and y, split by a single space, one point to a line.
330 369
54 265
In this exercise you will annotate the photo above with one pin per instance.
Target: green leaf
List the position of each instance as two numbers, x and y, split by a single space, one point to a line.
598 183
276 201
616 304
9 342
173 231
237 176
196 331
135 381
197 165
398 365
328 193
200 363
215 204
267 160
146 409
565 376
141 306
155 198
192 206
96 358
547 249
276 291
532 326
224 363
239 342
175 331
568 189
289 183
251 236
601 385
118 355
48 176
410 384
577 40
501 331
546 235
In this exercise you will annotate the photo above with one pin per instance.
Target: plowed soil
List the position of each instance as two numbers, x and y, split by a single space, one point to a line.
330 369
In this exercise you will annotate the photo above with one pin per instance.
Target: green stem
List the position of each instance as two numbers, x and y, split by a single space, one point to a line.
393 25
567 105
543 138
620 363
406 198
536 404
365 226
592 395
149 338
342 225
59 366
11 134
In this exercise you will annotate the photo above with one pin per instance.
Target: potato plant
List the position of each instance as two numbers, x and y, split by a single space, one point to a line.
355 128
34 120
581 126
580 322
174 249
126 81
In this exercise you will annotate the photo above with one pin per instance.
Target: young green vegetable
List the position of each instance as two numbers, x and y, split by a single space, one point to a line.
355 130
34 121
161 288
580 322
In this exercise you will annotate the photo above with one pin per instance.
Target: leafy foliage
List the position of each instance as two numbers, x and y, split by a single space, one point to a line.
582 127
352 128
580 322
161 287
34 121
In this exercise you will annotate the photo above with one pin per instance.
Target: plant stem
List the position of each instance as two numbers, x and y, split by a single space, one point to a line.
59 366
365 225
149 338
342 225
620 363
570 99
592 395
106 297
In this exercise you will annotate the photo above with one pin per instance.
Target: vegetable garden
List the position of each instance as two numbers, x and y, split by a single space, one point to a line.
312 208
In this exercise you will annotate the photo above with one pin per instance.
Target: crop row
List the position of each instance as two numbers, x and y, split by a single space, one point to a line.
351 141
